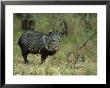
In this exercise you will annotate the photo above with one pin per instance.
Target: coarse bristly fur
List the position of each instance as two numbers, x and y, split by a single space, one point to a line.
37 42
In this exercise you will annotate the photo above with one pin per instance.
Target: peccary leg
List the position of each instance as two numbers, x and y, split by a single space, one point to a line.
43 57
24 54
42 60
25 59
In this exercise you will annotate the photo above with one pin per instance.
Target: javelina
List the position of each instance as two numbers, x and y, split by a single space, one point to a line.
37 42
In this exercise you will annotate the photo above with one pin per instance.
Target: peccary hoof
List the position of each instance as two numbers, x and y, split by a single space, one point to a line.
26 62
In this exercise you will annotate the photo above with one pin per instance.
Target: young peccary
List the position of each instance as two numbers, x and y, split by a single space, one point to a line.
37 42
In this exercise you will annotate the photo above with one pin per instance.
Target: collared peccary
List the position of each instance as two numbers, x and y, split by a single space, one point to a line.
37 42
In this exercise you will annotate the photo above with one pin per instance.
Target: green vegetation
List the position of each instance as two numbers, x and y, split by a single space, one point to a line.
80 26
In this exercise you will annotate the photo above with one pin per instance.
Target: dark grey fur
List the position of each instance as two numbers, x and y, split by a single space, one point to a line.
37 42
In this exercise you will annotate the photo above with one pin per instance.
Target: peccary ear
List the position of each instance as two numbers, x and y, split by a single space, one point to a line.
61 34
50 33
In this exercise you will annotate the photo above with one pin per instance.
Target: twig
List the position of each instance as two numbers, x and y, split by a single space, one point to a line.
84 44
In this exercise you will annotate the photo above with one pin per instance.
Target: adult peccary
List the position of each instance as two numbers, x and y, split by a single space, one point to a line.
37 42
